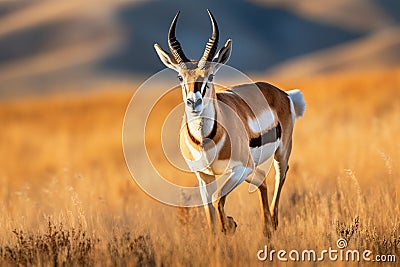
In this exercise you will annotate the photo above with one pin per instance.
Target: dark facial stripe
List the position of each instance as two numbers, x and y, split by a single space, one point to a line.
269 137
197 87
204 91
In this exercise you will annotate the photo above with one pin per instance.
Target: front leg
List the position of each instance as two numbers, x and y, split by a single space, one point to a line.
207 188
236 177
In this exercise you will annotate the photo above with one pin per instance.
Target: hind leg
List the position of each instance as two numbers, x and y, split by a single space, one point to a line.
281 166
258 179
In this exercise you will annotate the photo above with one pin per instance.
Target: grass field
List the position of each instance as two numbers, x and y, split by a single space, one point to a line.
66 196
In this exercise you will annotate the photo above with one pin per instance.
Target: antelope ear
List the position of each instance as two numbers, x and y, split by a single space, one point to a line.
224 53
166 58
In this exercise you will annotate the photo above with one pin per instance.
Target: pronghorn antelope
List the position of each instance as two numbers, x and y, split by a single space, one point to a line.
233 131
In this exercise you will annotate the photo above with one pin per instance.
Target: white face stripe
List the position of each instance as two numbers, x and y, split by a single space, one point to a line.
263 122
190 95
196 95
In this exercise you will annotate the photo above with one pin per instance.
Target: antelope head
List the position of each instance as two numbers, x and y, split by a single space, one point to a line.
195 76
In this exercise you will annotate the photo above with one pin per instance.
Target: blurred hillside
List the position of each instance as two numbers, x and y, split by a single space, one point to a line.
48 46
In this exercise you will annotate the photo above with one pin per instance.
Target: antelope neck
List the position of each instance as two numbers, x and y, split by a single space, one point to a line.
202 127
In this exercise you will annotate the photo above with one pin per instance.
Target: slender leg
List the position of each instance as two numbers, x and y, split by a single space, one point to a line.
281 167
238 175
259 180
228 224
206 196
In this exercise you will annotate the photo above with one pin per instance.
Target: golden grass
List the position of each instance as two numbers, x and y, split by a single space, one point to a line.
67 197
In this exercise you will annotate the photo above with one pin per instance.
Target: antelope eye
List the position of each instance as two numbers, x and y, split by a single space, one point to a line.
180 78
211 77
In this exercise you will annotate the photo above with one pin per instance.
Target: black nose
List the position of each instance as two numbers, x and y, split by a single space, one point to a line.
193 104
198 102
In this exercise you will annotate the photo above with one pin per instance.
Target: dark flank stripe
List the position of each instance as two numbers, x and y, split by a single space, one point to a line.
268 137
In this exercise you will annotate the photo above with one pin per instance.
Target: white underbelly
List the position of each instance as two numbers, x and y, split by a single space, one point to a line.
262 153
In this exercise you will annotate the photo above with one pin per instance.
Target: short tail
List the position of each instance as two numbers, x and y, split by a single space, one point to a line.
298 102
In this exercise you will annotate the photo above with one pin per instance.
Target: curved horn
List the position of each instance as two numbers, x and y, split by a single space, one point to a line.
174 44
212 44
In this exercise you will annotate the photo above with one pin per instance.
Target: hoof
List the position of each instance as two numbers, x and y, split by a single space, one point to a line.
230 226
